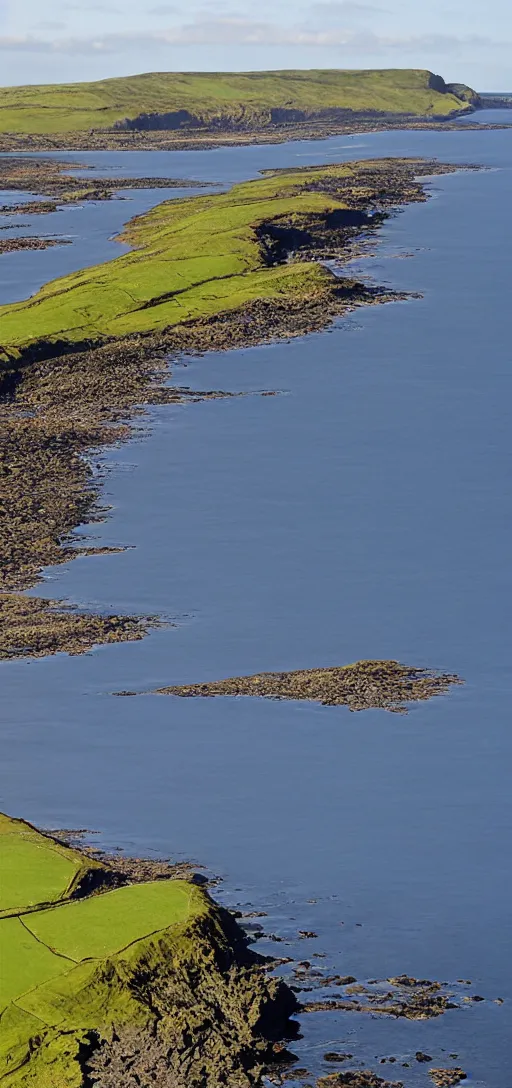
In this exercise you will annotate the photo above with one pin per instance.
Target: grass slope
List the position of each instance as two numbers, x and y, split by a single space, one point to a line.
24 964
36 869
243 99
194 258
104 924
42 945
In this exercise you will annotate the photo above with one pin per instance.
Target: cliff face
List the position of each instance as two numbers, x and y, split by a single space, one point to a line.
466 95
341 105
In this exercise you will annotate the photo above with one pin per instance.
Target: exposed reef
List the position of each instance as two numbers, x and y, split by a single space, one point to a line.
195 139
51 178
128 869
361 686
355 1078
13 245
50 423
402 997
36 627
447 1078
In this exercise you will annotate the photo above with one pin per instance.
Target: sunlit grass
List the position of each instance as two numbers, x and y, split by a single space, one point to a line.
193 257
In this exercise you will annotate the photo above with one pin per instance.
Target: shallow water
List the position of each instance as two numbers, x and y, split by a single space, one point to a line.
365 512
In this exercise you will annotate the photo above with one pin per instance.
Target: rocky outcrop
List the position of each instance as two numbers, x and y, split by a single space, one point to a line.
459 90
148 122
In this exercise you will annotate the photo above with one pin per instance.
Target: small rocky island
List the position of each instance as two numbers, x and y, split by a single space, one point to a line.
387 685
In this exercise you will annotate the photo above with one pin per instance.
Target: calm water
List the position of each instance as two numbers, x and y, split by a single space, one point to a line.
365 512
488 117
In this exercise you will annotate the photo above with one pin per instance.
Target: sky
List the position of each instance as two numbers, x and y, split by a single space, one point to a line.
71 40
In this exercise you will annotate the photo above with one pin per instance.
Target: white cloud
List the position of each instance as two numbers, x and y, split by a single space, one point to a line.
248 32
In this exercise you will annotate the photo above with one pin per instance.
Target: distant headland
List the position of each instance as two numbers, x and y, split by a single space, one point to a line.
175 108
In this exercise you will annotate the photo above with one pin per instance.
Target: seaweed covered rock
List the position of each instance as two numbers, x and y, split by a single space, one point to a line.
361 686
356 1078
447 1078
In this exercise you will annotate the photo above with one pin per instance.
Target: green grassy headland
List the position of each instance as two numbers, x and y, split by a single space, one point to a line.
250 100
198 257
54 949
74 969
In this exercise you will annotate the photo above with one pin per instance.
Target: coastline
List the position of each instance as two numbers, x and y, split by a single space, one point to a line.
410 814
126 971
161 140
247 105
344 1002
61 401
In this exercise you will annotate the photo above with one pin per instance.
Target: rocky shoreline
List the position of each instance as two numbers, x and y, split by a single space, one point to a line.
205 140
126 973
195 1007
50 424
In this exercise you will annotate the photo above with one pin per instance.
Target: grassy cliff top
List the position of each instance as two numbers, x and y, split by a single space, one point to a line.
66 965
110 988
246 99
201 256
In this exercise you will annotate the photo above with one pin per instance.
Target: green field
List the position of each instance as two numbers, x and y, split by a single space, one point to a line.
24 964
100 926
244 100
35 869
193 258
67 969
42 945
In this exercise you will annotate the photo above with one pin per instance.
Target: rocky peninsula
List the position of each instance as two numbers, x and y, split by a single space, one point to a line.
82 357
